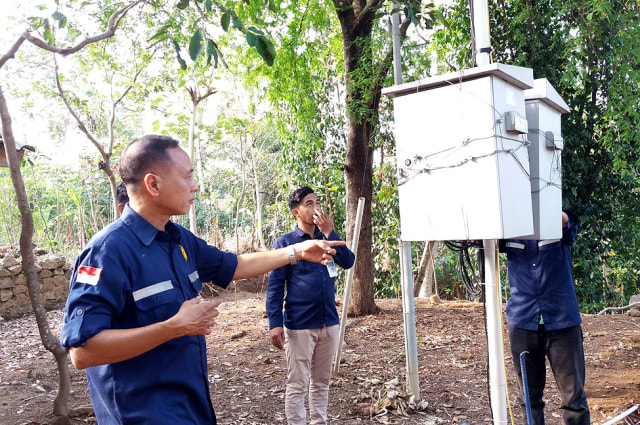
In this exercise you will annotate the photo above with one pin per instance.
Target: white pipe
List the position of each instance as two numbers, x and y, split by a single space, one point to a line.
397 54
622 415
480 29
408 308
348 283
497 381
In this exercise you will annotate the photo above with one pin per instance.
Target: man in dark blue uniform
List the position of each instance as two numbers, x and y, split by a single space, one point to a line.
544 320
133 318
309 328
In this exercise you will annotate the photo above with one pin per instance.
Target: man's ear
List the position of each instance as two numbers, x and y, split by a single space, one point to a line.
295 212
151 184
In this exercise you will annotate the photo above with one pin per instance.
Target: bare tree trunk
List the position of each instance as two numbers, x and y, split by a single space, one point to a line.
357 20
426 273
191 150
257 194
199 159
241 197
196 98
49 340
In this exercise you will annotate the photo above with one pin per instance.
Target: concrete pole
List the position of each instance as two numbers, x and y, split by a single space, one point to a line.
497 378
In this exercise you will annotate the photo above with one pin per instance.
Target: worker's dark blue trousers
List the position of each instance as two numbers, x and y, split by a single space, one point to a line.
563 348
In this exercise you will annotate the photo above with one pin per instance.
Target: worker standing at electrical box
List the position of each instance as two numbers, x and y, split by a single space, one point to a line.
544 321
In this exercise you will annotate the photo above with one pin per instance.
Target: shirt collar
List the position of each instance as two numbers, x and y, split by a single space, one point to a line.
146 231
304 235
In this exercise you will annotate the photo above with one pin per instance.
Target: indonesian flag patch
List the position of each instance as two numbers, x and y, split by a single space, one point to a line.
88 275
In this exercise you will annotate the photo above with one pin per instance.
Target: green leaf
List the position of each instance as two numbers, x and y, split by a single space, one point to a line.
160 35
212 49
224 21
61 18
265 49
195 45
272 6
255 30
237 23
207 5
437 14
182 4
48 35
251 39
176 46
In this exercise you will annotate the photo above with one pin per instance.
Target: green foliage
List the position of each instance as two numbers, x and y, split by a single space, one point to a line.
67 207
386 232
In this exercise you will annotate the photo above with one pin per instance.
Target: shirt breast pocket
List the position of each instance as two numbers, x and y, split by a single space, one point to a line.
196 283
156 302
514 248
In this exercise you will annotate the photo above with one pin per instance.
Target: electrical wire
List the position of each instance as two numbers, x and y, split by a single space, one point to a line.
471 278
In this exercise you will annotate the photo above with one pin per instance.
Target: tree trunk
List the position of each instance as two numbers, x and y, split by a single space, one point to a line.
359 158
256 192
192 150
242 191
50 341
425 279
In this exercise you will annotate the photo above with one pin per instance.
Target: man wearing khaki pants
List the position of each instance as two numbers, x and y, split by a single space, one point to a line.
308 330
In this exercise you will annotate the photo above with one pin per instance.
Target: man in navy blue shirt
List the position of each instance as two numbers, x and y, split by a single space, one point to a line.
544 321
133 318
308 330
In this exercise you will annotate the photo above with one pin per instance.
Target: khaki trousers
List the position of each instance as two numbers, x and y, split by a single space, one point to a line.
310 354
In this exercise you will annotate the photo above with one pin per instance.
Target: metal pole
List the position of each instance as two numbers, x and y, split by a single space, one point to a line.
397 54
497 378
408 308
406 274
621 415
480 29
348 283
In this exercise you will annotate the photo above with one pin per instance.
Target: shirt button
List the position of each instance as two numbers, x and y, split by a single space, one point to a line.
534 264
79 312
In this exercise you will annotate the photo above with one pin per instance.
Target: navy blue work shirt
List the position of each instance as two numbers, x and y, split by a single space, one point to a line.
541 281
310 301
131 275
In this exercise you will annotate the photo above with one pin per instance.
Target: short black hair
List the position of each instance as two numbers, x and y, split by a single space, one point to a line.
297 196
143 154
121 194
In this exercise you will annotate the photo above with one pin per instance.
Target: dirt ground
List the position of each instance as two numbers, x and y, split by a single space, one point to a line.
248 376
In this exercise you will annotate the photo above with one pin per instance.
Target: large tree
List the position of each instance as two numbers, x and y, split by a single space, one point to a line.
305 77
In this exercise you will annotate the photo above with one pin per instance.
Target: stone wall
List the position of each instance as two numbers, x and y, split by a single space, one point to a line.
53 274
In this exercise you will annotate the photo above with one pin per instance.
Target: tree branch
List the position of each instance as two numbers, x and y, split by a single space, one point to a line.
114 22
81 125
620 308
12 51
387 61
364 16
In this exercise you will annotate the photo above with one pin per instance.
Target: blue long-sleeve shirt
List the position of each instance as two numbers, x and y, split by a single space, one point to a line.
541 281
310 291
132 275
